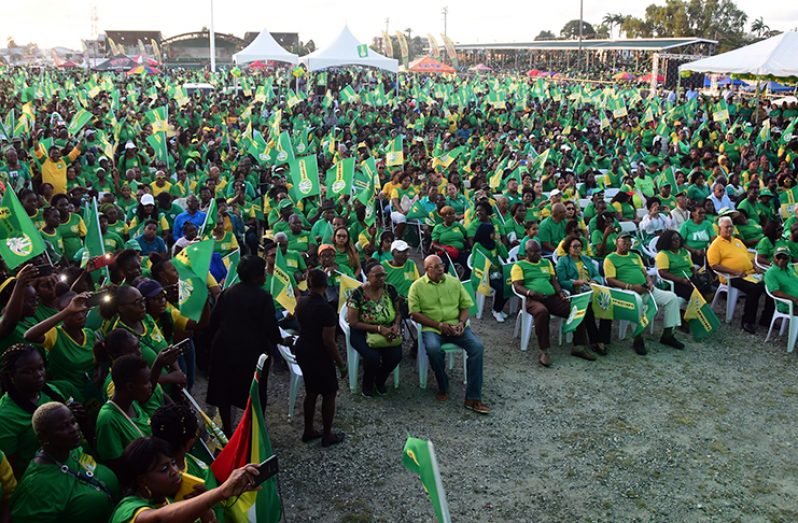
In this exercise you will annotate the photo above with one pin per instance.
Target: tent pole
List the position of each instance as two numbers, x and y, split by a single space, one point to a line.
756 103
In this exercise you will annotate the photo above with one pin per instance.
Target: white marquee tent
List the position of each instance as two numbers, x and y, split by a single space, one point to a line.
348 50
776 57
264 47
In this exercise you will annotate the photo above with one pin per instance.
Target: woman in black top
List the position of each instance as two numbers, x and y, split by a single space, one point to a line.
242 327
317 356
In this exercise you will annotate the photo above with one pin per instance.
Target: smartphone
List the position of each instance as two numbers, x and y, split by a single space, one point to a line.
45 269
266 470
97 298
183 346
99 262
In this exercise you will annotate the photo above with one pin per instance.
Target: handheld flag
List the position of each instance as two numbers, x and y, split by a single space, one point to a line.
231 264
345 287
93 245
210 220
419 457
339 178
700 316
250 443
19 239
79 121
305 177
480 271
647 316
281 285
193 265
613 304
579 305
395 154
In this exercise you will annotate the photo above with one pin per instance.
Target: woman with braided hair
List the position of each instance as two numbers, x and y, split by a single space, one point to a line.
177 425
23 379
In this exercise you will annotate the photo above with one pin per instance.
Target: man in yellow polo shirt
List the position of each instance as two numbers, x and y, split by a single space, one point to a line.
54 167
440 303
729 255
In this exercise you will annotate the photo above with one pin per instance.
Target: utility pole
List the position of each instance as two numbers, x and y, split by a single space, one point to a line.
445 12
212 37
386 35
581 23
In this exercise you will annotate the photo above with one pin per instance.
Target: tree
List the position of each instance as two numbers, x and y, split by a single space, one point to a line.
571 30
603 31
545 35
10 43
759 27
613 20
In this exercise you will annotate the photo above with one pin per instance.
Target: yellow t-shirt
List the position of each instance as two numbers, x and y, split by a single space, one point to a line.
54 173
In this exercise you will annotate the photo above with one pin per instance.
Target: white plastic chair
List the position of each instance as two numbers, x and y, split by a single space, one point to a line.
512 254
610 192
630 227
583 202
732 295
353 356
423 360
296 377
786 319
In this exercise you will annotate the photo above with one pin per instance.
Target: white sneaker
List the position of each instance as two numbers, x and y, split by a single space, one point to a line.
504 314
498 315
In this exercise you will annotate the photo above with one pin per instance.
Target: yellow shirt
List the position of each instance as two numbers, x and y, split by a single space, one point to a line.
54 173
156 190
732 254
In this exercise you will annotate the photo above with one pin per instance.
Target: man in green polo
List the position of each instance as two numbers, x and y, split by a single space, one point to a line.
781 279
440 303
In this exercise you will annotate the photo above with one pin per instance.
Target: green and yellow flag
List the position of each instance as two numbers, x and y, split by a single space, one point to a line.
447 159
480 271
93 245
613 304
19 239
79 121
700 316
346 286
160 146
579 305
208 224
419 457
339 178
395 154
647 315
305 177
231 263
281 287
158 118
193 265
284 150
348 95
250 443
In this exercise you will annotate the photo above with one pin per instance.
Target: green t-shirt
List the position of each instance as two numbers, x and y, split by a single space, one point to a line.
627 268
552 232
112 242
766 248
750 231
322 229
677 263
45 494
784 280
129 507
451 235
697 235
401 277
115 430
151 341
535 276
67 359
72 233
298 242
595 240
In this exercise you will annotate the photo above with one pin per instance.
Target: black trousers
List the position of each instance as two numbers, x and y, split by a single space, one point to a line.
753 291
378 364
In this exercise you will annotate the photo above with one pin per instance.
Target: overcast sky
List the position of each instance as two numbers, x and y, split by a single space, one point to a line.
65 22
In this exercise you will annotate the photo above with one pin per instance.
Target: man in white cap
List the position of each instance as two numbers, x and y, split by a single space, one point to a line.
129 160
401 270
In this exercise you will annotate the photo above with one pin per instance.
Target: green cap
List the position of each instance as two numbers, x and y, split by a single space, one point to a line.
285 203
781 251
133 244
765 192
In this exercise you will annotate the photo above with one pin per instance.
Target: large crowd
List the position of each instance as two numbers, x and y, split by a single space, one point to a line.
516 191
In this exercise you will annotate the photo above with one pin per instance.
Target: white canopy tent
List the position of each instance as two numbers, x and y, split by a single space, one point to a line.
776 57
264 47
348 50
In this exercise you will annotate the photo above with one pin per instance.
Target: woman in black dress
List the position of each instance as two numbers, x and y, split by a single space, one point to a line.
242 327
317 356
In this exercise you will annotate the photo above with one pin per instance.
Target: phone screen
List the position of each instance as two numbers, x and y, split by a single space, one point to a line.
98 298
267 469
183 345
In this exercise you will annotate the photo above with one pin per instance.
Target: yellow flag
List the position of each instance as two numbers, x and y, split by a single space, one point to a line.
345 288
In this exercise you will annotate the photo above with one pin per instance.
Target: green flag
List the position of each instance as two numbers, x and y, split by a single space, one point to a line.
339 178
362 51
789 132
721 113
231 263
79 121
649 311
305 176
348 95
613 304
447 159
158 119
419 457
259 149
395 154
93 245
579 305
281 287
193 265
159 144
700 316
19 239
480 271
284 150
209 223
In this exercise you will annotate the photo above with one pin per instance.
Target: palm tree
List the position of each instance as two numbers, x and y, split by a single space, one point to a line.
613 20
759 27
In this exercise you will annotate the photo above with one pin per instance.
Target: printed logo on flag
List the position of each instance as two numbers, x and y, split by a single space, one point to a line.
338 186
282 156
20 245
300 148
604 300
575 314
184 289
362 51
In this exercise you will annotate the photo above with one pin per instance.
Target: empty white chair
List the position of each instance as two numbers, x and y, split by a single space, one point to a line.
629 227
423 360
786 320
353 356
512 254
296 377
732 294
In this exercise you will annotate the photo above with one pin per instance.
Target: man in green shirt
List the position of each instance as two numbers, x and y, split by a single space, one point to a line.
552 229
440 303
401 271
534 279
625 270
781 279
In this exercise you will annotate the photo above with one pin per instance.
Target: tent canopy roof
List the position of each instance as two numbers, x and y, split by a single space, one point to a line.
776 56
631 44
427 64
348 50
264 47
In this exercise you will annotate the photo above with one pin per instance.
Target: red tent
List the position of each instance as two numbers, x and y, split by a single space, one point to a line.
647 78
533 72
427 64
260 64
145 60
69 64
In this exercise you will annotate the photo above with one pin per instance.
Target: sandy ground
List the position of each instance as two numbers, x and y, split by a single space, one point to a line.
704 434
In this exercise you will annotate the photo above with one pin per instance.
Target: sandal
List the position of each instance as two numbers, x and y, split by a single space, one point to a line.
337 437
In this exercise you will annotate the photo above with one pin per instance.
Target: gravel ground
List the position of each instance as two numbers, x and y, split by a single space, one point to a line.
704 434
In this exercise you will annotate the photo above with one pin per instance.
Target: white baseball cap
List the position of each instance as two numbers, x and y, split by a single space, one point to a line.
147 199
399 245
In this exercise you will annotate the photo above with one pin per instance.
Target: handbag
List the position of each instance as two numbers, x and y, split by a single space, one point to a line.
375 340
453 252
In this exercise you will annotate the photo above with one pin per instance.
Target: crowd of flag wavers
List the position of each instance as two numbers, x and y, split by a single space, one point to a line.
150 233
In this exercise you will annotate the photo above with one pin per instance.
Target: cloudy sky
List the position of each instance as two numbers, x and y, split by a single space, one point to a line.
65 22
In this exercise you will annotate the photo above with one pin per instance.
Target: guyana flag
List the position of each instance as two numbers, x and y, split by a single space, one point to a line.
579 305
79 121
447 159
305 177
281 287
700 316
209 222
419 457
93 245
158 143
193 265
480 272
250 443
346 286
348 95
395 154
339 178
158 117
19 239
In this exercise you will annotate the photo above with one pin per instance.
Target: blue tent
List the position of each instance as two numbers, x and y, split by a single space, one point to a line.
723 81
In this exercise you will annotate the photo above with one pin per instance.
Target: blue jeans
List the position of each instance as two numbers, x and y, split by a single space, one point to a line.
437 360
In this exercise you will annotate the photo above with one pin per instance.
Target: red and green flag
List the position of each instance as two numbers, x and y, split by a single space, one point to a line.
250 443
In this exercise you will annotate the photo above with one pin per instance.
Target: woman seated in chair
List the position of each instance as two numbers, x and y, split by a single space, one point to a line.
484 239
449 237
575 273
654 222
674 264
771 238
375 323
